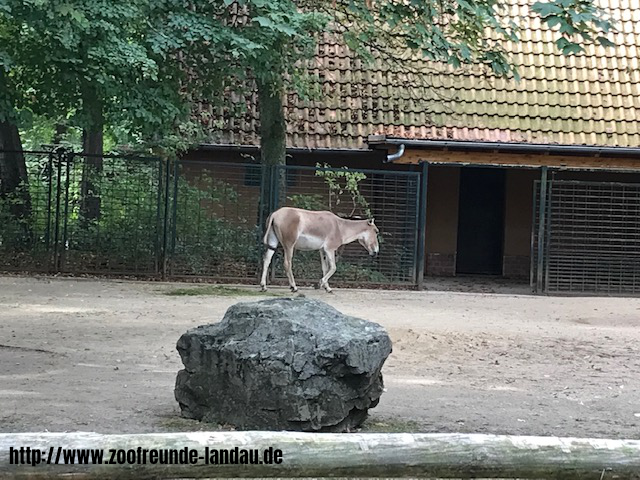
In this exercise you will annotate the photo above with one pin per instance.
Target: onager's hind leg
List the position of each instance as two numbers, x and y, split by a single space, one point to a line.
330 257
268 255
288 258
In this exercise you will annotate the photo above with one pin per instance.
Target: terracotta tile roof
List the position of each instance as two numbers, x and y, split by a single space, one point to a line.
592 98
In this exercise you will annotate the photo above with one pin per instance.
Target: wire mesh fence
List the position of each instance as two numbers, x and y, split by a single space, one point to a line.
83 214
113 212
216 208
135 216
591 237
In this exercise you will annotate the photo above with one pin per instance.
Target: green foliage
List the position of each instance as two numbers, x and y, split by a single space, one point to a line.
15 231
579 22
359 272
209 239
145 62
286 34
342 181
150 62
307 202
461 32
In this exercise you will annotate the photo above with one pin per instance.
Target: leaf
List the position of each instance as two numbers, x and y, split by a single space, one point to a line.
572 48
264 22
605 42
546 9
552 21
566 27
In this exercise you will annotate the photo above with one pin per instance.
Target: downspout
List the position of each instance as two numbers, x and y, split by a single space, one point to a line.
395 156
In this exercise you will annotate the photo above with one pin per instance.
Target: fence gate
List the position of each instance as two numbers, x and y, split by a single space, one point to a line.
590 237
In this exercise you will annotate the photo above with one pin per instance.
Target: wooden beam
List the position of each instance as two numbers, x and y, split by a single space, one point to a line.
319 455
518 160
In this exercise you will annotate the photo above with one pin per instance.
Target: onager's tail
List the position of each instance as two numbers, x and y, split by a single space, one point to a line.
270 238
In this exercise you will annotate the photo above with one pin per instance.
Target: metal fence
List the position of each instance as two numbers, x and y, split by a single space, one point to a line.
84 214
591 238
194 219
215 220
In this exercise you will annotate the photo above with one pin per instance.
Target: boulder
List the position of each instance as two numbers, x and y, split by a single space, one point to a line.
282 364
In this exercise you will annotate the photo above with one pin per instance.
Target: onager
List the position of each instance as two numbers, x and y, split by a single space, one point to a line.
298 229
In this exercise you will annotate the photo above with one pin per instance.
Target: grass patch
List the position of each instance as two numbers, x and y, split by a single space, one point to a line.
219 291
390 425
180 424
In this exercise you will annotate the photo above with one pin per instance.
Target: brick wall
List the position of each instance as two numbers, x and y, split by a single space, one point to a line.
516 266
441 264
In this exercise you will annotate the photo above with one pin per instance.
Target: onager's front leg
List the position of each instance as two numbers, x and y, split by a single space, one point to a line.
330 260
323 260
288 258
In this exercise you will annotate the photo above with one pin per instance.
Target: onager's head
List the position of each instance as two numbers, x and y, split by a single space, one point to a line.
369 238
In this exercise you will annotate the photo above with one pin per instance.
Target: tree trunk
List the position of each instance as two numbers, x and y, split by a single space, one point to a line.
14 182
60 132
272 124
273 146
92 150
13 169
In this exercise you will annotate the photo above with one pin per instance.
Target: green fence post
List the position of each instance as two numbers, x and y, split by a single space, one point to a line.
422 223
174 215
541 229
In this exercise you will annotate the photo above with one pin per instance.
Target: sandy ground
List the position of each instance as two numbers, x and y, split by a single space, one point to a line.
99 355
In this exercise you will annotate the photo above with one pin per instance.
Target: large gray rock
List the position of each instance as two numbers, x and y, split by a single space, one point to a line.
283 364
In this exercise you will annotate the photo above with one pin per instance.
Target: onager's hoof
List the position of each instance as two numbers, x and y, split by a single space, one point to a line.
294 289
263 288
328 289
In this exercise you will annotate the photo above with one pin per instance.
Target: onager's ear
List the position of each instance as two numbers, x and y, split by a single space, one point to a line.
371 221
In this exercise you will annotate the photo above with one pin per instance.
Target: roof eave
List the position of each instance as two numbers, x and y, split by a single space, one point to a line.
506 147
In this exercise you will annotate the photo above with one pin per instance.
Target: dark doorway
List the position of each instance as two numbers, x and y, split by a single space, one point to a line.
481 221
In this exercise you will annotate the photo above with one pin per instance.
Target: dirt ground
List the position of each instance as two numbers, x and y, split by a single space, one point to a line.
99 355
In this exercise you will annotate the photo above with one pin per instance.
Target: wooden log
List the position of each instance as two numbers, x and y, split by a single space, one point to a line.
322 455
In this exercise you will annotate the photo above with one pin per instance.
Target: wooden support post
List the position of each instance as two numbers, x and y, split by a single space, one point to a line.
321 455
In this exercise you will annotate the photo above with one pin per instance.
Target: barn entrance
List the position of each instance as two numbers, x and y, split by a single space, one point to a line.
481 221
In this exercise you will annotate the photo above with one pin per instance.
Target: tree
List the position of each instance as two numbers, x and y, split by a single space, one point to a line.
135 66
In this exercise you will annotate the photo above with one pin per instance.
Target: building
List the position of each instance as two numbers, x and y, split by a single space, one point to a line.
535 179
